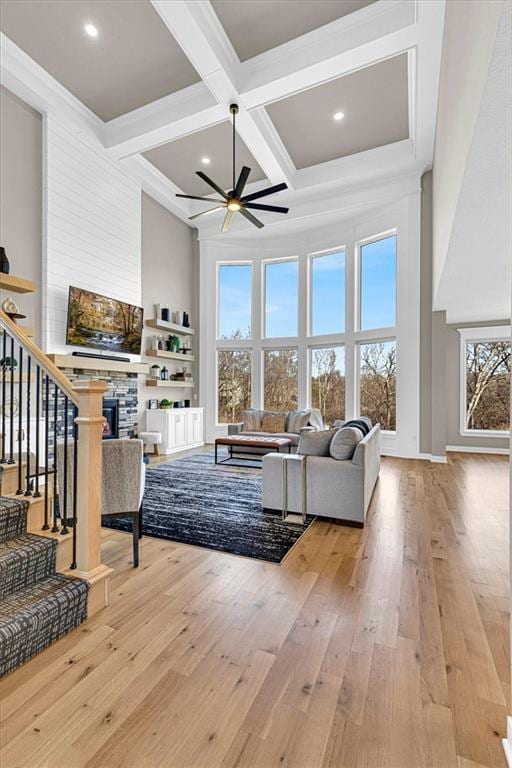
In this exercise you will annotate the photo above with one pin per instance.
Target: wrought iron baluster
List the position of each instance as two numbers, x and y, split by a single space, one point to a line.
46 524
75 481
37 493
28 492
11 406
20 425
63 497
4 374
55 528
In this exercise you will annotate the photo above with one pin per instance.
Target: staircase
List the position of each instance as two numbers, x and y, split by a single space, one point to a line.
37 604
51 574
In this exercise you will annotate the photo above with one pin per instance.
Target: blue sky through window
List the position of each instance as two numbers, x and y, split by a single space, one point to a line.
378 284
328 293
281 307
235 301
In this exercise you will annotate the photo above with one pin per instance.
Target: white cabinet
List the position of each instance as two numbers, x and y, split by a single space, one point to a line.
180 428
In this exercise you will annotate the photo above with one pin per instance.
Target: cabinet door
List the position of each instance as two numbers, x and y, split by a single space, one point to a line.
179 429
195 427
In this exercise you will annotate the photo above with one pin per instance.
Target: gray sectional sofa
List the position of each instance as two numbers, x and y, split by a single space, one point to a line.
335 488
312 421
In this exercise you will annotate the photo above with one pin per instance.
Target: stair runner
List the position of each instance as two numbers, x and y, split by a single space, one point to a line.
37 605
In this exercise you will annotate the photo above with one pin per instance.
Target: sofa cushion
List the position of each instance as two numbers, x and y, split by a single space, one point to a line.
252 420
273 421
297 420
316 443
344 443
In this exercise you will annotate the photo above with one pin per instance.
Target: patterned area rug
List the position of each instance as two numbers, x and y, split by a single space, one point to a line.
194 501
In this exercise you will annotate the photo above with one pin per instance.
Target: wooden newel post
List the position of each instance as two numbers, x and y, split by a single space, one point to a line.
90 428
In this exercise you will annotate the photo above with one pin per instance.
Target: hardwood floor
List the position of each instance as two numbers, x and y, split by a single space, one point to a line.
382 648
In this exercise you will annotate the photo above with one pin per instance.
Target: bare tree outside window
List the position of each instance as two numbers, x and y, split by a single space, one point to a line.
328 382
234 384
488 385
378 383
281 379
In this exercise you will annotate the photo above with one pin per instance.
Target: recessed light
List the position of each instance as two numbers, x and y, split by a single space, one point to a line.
91 30
339 116
205 160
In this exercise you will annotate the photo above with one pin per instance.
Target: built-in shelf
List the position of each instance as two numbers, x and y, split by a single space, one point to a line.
163 325
174 384
170 355
97 364
16 284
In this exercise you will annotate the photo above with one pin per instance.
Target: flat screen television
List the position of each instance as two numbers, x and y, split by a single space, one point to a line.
99 322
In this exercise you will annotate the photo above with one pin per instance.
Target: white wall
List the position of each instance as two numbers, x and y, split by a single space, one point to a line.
404 216
91 229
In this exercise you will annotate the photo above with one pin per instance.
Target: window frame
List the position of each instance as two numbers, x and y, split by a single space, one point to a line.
476 336
241 263
359 282
263 315
311 257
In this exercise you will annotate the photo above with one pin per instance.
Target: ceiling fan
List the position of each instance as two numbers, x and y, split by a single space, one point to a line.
233 201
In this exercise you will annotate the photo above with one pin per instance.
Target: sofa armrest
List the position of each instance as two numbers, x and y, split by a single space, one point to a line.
235 429
308 429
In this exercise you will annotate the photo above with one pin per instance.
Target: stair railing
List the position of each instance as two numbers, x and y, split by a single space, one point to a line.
41 409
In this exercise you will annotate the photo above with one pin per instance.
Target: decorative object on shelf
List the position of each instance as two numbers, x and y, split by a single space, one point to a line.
175 343
186 320
166 403
165 313
155 371
153 405
154 343
186 403
11 309
5 363
4 262
233 202
164 374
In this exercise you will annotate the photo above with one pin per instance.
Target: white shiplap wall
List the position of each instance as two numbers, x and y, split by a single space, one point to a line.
91 229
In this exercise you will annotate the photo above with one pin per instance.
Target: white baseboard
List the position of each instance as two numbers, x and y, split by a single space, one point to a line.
474 449
507 743
439 459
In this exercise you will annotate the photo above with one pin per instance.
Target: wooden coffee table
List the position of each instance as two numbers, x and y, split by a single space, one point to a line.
241 441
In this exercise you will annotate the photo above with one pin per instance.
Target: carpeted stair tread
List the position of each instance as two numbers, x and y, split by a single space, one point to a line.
13 517
24 560
37 616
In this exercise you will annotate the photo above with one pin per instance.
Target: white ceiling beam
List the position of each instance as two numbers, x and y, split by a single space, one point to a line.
358 40
166 119
204 41
157 185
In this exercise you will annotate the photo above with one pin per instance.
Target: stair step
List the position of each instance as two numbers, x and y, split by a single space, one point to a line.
24 560
13 517
37 616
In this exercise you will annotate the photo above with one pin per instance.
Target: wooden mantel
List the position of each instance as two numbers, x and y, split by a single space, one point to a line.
97 364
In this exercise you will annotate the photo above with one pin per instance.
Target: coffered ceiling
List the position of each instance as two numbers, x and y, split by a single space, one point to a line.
254 26
153 88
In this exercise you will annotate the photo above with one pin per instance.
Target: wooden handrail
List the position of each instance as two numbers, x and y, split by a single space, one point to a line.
39 357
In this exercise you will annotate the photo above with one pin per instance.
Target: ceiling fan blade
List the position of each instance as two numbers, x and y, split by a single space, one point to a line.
274 208
251 218
206 199
242 181
227 221
264 192
205 213
215 186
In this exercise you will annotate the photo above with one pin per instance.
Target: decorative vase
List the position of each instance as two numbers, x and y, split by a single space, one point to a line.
155 371
165 313
4 262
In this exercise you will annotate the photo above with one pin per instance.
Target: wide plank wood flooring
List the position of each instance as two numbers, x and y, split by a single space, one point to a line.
382 648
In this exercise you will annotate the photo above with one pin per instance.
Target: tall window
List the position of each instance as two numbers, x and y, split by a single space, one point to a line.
377 265
233 384
328 382
281 380
281 298
234 307
378 383
486 382
328 293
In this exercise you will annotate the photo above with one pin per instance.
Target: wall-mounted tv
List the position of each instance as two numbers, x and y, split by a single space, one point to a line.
99 322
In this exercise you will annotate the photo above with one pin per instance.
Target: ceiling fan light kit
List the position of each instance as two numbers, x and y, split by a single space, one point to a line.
233 202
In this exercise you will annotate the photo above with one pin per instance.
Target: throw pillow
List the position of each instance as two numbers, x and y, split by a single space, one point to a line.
363 424
297 420
316 443
252 420
273 421
344 443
